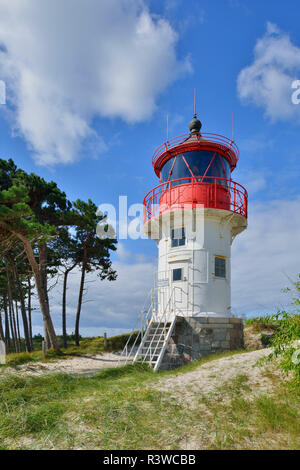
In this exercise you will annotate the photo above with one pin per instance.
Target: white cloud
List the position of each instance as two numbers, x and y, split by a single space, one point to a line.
256 144
266 256
123 254
254 181
66 62
267 82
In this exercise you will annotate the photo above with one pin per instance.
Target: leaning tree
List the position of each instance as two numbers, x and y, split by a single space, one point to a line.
18 222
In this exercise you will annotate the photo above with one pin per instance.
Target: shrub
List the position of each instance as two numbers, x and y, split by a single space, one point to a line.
262 323
286 341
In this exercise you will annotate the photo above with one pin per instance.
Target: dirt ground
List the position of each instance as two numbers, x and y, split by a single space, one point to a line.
212 375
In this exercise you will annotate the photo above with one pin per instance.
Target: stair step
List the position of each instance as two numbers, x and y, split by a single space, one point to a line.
155 332
161 327
153 343
148 358
155 337
152 349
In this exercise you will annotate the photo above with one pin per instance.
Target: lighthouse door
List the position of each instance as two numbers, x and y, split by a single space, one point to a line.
178 276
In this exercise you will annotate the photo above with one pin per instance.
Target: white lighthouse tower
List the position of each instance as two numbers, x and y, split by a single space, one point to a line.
193 215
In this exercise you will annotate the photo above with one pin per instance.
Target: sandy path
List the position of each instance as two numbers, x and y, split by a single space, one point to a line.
208 377
204 379
76 365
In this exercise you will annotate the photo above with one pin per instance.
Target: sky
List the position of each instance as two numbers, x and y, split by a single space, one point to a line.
89 86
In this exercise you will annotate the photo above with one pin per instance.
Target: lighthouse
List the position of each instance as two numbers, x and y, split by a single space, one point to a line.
193 215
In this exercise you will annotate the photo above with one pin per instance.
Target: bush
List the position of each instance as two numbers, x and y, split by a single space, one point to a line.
286 341
262 323
116 343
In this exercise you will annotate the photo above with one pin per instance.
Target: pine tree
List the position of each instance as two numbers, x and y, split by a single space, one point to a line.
95 253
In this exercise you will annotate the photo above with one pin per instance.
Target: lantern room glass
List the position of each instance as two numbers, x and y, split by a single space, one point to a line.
198 161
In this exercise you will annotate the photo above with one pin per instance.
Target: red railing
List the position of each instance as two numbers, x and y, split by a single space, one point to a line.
196 140
208 191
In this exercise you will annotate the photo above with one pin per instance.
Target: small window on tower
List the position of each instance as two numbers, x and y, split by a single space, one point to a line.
177 274
177 237
220 267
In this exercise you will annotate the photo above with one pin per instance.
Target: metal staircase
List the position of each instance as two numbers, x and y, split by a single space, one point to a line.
154 343
150 342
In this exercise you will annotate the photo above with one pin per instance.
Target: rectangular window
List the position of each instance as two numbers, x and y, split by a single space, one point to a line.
220 267
177 274
177 237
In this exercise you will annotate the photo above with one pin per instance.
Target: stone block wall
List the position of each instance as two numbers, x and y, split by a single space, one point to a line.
195 337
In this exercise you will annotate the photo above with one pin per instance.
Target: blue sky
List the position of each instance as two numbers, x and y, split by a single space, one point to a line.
89 86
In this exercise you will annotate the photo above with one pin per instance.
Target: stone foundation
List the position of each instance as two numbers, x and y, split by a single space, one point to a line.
195 337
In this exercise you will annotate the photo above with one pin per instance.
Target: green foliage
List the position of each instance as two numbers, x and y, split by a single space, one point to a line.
262 323
54 354
96 345
286 342
95 252
17 216
17 359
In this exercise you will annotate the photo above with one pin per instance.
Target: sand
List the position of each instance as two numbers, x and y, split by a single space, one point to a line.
83 365
213 375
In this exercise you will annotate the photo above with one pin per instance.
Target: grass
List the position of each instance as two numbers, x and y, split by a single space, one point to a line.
110 407
120 408
264 421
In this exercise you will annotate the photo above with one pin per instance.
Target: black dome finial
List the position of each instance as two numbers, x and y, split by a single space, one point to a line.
195 125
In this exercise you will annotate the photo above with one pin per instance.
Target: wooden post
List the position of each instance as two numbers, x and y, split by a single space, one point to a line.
105 340
2 352
44 347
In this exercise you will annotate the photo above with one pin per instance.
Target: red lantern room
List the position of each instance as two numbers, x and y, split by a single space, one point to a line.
195 169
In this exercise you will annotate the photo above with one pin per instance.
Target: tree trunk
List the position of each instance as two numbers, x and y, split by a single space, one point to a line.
2 338
38 282
22 304
47 342
43 258
64 303
80 301
14 326
29 313
11 311
18 326
7 332
64 317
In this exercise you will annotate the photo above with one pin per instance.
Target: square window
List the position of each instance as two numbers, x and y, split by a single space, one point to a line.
177 237
220 267
177 274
